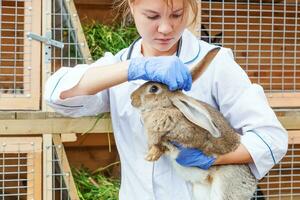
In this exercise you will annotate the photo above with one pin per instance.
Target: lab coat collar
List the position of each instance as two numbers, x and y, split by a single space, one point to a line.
190 49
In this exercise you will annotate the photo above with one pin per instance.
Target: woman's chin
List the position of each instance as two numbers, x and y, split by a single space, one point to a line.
164 48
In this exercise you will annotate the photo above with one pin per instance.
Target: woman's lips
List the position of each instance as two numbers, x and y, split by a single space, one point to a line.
163 40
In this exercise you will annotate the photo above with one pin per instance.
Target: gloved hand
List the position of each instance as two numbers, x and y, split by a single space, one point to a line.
192 157
168 70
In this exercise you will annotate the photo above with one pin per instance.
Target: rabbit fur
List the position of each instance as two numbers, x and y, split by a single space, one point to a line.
173 116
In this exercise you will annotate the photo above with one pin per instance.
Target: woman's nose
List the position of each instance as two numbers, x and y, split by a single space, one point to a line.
165 27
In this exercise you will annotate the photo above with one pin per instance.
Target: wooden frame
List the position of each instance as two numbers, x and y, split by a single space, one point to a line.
31 100
46 68
32 147
48 166
24 123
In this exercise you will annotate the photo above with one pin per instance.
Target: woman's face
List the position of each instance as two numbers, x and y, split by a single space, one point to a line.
160 25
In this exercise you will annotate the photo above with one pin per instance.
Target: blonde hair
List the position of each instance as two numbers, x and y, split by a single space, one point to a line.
123 9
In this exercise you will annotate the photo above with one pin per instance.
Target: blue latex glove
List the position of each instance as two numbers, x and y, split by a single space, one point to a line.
192 157
168 70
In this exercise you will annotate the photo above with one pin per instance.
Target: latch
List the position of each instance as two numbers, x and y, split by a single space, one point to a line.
48 43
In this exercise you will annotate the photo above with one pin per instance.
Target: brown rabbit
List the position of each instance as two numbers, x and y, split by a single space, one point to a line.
173 116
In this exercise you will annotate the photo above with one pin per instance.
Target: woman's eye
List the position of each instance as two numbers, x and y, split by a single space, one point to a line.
153 17
153 89
176 15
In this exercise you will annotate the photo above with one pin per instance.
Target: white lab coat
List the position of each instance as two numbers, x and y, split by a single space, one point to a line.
224 85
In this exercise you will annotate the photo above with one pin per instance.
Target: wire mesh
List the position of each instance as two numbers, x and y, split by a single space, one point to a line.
63 30
15 65
18 164
264 35
60 178
283 181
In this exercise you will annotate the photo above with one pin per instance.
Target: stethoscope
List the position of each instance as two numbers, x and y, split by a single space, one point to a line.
130 50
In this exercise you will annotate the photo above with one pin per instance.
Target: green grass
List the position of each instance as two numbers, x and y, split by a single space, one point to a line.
102 38
95 186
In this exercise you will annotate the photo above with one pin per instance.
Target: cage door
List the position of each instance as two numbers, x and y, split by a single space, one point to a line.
19 57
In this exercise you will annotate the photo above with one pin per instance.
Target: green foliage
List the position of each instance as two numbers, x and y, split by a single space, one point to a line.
102 38
95 186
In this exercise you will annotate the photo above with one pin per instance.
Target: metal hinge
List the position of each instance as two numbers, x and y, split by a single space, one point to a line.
48 43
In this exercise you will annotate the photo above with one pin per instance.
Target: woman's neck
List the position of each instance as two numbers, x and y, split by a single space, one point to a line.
148 51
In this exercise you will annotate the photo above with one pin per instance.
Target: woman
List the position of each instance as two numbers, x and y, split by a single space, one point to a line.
164 53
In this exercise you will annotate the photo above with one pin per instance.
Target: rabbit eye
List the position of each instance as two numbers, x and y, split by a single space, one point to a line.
153 89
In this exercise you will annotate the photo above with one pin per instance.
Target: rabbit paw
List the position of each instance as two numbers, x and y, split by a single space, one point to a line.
154 153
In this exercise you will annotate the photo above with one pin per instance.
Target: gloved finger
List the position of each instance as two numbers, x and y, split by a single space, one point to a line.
172 86
170 80
180 81
187 78
188 83
176 144
171 83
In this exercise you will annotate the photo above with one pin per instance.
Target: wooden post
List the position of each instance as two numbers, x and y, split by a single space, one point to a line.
46 67
47 166
65 167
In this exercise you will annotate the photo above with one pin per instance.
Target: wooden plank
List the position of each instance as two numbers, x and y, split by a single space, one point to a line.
30 115
294 137
68 137
29 123
34 171
47 166
59 125
46 69
7 115
290 122
65 167
20 144
283 99
38 175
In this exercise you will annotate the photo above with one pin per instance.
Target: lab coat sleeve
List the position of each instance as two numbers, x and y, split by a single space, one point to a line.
66 78
245 106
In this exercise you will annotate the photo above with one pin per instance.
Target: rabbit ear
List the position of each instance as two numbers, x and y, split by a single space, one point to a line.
196 113
201 66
